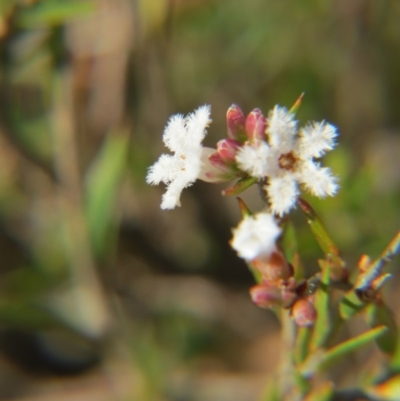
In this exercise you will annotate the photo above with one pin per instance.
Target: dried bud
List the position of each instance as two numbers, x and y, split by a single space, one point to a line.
235 120
227 149
266 296
255 125
304 313
364 263
273 267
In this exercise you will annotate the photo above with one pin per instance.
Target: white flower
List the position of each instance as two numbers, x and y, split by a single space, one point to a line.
291 160
288 159
183 136
255 236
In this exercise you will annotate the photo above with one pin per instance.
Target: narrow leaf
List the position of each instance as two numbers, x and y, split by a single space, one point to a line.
321 360
102 183
323 324
244 209
346 347
338 266
297 104
302 344
377 315
350 304
240 186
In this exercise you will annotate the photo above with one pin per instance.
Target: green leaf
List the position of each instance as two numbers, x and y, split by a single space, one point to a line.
289 241
323 323
244 209
240 186
346 347
322 360
52 13
297 104
350 304
377 315
337 265
102 183
302 344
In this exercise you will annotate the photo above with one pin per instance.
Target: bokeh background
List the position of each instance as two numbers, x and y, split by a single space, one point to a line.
103 296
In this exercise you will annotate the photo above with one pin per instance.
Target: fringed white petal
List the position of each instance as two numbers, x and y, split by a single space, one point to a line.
316 139
282 193
254 159
318 180
281 129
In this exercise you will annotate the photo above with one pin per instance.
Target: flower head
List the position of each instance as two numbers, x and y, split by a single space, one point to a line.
287 159
255 236
183 136
292 161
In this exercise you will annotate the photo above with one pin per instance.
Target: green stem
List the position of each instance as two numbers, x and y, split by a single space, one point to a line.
351 345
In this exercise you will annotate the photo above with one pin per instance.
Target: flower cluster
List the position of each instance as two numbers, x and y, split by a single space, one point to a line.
255 241
271 151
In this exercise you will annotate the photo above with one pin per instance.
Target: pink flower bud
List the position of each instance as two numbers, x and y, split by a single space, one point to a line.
304 313
255 125
289 296
273 267
227 149
213 168
266 296
235 121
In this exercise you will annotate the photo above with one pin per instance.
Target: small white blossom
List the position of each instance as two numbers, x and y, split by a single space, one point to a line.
288 159
291 160
183 136
255 236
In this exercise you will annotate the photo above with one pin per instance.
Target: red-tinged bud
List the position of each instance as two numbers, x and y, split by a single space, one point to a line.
304 313
227 149
213 168
266 296
216 160
235 120
289 296
255 125
273 267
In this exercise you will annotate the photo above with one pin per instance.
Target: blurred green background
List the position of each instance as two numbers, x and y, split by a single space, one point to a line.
103 296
